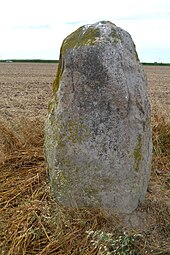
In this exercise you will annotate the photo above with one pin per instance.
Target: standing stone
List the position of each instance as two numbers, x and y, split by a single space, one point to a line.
98 135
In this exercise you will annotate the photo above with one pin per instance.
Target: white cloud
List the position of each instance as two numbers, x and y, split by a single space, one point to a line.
36 28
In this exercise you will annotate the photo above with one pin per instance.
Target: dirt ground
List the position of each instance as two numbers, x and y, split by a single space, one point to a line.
158 78
25 88
30 221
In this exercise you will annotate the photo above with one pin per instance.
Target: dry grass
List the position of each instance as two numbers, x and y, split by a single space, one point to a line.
32 223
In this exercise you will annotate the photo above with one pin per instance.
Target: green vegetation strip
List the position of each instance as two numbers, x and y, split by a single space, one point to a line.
56 61
29 61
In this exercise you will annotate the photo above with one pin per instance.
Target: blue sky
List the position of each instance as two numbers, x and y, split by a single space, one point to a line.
36 28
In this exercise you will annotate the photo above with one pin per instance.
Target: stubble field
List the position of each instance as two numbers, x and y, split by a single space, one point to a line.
27 87
30 221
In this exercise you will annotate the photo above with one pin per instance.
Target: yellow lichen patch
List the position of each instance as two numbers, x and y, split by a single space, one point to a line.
77 132
138 153
90 36
82 36
71 131
52 104
58 76
71 40
116 37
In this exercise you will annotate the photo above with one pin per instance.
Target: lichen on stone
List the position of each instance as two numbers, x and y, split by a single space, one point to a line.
116 36
58 76
90 36
73 133
82 36
138 153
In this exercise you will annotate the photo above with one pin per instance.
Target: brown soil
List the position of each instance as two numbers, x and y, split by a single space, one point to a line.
27 87
30 221
159 88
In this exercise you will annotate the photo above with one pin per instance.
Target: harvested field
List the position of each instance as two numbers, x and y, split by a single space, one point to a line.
27 87
31 223
159 88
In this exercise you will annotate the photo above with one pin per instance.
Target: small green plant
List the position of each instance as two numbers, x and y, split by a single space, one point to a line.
108 244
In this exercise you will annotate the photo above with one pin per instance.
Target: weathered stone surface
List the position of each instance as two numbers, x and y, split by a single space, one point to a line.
98 135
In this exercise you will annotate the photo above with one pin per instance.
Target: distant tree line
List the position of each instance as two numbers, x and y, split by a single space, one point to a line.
29 61
56 61
156 64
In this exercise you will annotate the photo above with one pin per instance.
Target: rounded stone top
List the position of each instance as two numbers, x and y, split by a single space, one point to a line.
94 34
102 38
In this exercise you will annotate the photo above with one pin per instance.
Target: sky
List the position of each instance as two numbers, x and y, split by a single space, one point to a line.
35 29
